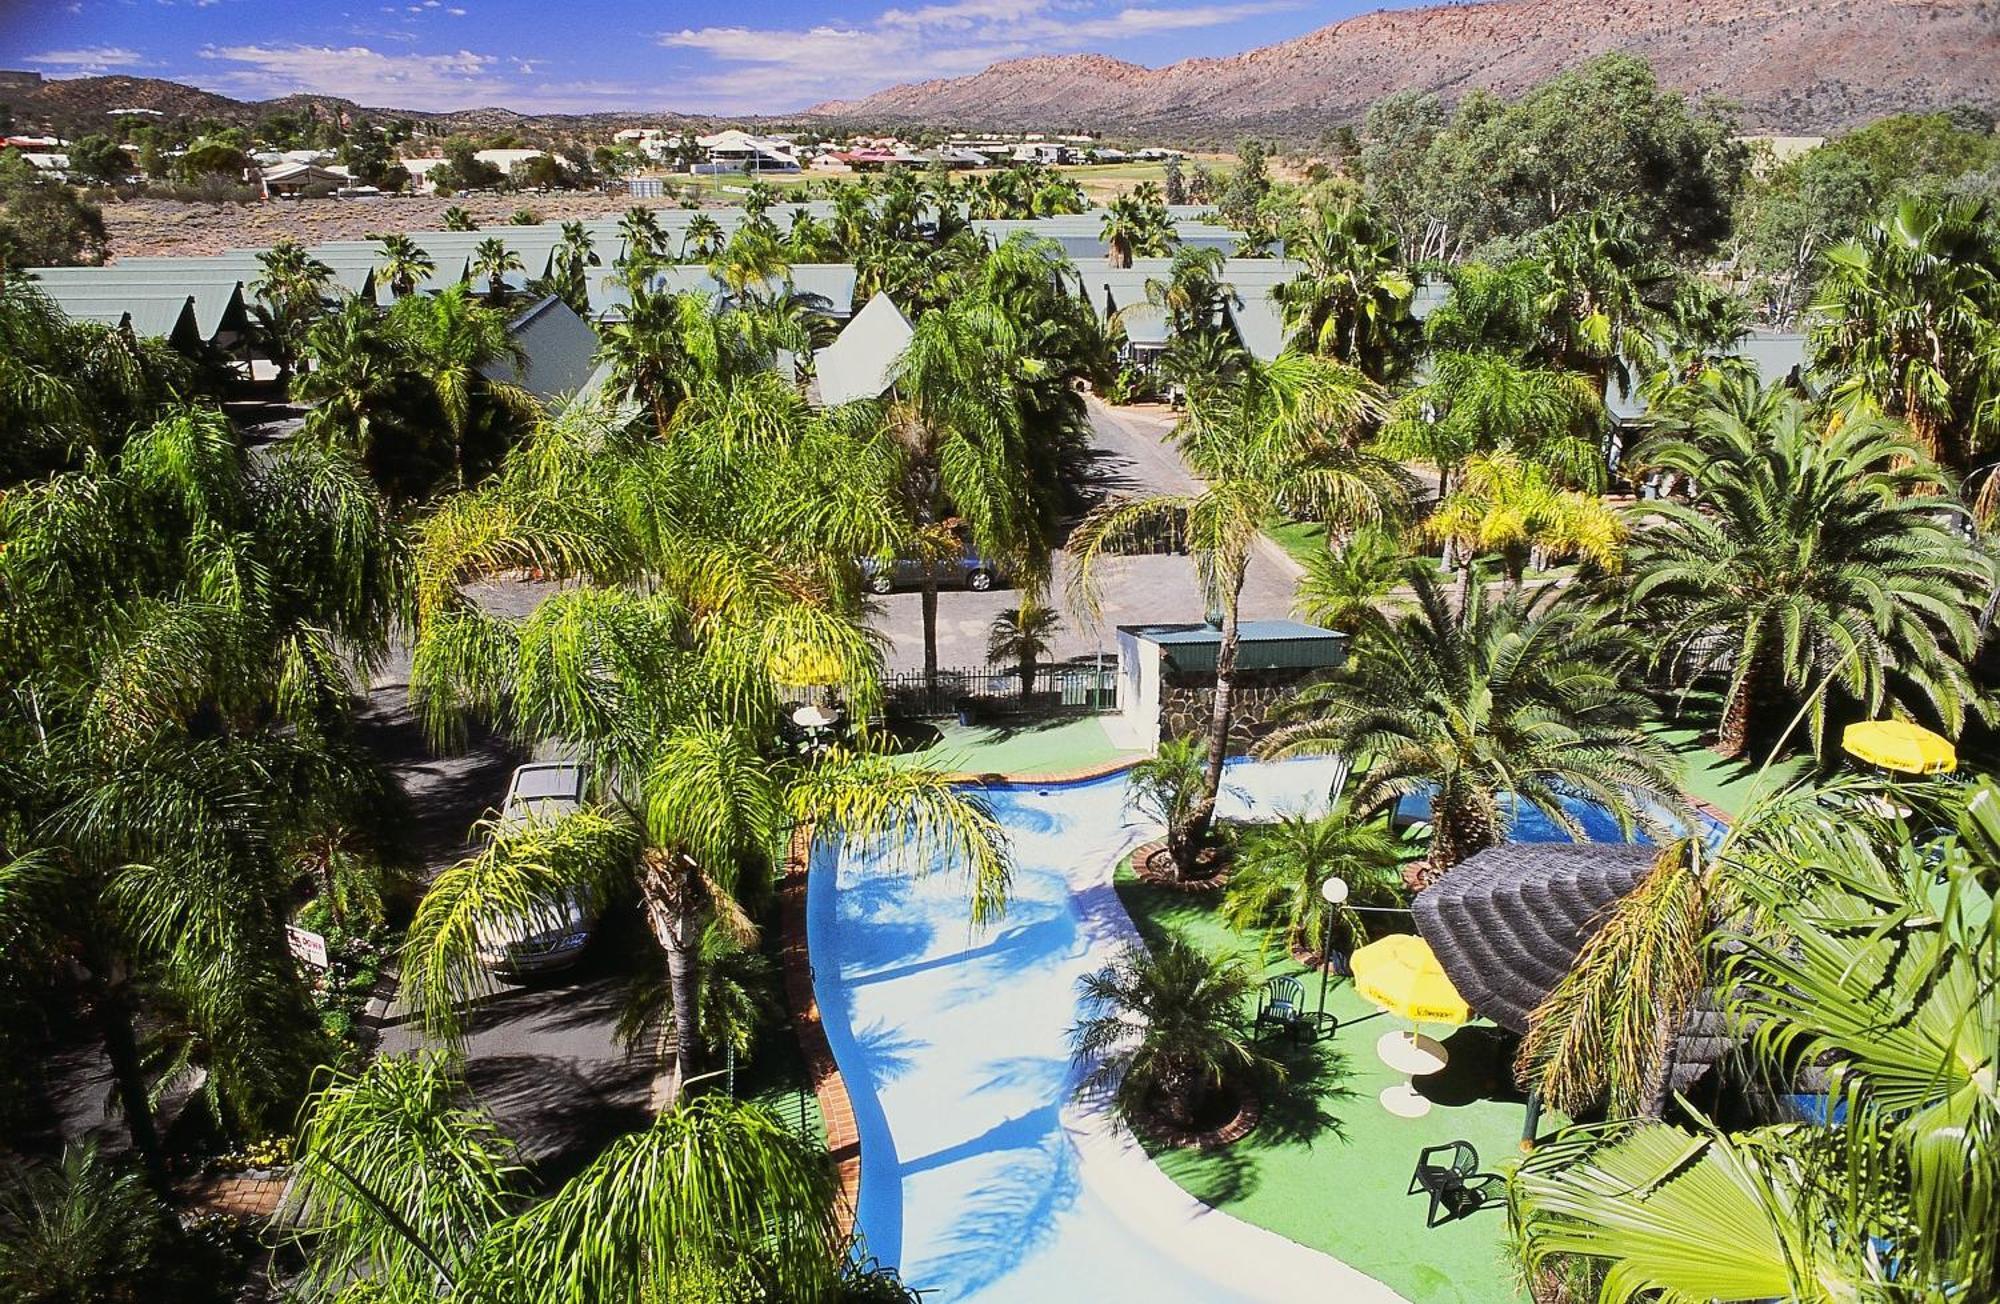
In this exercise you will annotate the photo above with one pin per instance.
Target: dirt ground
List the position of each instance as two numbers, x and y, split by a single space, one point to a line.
143 227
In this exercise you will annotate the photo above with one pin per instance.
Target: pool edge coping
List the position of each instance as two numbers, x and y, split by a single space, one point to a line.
836 1109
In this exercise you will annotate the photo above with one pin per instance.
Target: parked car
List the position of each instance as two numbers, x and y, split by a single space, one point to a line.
970 571
553 934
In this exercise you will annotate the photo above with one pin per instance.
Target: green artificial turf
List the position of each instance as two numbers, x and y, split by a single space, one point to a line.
1044 747
1731 786
1328 1167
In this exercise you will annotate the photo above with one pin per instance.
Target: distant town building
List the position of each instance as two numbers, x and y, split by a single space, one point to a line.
739 151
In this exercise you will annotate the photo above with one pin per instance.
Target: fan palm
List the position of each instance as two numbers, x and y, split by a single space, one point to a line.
1352 299
1524 698
1274 442
1133 227
404 263
1822 558
1907 315
1164 1030
639 229
1274 882
457 218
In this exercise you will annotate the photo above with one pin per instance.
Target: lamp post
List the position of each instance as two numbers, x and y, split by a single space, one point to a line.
1334 892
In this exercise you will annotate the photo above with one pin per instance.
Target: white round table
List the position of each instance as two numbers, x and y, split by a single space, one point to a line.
1413 1054
814 717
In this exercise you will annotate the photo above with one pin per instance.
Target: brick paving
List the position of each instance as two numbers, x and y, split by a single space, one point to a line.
843 1138
239 1195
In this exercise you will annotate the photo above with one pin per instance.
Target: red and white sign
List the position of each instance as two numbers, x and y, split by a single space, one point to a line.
309 947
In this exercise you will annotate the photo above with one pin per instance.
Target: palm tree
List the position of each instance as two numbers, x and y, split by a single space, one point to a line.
401 1189
1524 698
1601 291
1194 295
291 291
351 386
569 266
451 342
702 239
699 606
1272 443
1825 967
84 1230
1907 315
1023 636
1164 1032
1134 227
749 265
1502 504
184 627
1490 402
457 219
648 352
1274 884
639 229
1352 300
403 263
1823 559
1165 787
492 259
1344 586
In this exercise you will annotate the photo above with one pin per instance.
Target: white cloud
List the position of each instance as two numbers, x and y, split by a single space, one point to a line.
408 81
772 69
88 59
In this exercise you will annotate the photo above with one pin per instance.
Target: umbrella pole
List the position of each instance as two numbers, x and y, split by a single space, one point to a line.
1532 1123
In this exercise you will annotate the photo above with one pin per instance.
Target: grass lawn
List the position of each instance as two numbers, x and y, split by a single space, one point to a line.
1328 1167
1041 747
1730 785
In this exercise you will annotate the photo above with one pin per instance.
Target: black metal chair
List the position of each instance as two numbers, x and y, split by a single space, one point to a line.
1456 1187
1281 1006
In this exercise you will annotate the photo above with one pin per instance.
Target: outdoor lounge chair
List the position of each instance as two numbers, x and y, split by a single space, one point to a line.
1456 1187
1282 1005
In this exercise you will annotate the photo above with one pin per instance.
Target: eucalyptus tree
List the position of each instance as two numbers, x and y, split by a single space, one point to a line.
404 1191
1527 697
403 264
1907 317
696 602
1275 441
1352 300
1824 567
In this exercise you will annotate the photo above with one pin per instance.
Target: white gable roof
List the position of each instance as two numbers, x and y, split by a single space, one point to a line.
861 362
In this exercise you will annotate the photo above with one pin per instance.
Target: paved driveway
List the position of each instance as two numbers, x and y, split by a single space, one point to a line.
1134 459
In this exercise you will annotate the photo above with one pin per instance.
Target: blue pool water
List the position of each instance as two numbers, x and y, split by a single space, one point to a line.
1527 824
954 1046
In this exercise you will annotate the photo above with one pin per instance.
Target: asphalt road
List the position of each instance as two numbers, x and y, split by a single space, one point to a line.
1134 459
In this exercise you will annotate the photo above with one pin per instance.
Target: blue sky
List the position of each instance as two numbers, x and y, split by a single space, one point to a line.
581 55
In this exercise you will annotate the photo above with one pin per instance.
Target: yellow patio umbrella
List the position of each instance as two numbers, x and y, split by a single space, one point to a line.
1901 746
1402 975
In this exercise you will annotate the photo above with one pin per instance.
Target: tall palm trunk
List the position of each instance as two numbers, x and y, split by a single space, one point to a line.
1732 736
930 605
1222 715
672 893
111 1007
1459 827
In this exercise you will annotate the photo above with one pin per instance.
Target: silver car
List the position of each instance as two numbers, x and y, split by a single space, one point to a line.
553 934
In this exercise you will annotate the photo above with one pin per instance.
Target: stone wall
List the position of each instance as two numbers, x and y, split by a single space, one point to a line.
1187 701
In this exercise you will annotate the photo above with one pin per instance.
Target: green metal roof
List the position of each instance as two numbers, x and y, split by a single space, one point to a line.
1261 645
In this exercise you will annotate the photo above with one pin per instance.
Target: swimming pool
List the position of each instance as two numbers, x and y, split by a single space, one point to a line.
980 1180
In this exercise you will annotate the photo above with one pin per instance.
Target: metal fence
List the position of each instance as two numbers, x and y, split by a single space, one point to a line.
1065 689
